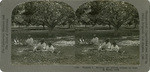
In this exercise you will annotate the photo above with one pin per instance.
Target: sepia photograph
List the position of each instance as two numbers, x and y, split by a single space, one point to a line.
108 33
43 33
53 33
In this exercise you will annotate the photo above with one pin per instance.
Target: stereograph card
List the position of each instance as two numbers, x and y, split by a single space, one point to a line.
75 35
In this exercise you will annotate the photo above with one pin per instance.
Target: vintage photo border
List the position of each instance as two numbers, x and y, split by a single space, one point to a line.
6 7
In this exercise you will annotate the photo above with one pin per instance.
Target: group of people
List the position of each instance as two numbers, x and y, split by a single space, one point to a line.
42 45
105 46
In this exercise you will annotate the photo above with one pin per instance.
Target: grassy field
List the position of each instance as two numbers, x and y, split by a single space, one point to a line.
88 54
30 57
75 55
69 55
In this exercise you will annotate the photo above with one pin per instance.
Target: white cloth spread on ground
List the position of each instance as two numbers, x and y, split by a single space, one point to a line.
30 41
95 41
115 48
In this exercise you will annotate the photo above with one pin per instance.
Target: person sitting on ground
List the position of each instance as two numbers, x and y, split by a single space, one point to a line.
115 47
30 41
40 46
50 47
105 46
95 40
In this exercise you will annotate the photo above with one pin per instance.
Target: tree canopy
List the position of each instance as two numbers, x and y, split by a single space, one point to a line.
49 13
52 13
115 13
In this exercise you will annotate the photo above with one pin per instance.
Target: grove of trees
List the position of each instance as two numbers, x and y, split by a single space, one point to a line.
112 13
52 13
43 13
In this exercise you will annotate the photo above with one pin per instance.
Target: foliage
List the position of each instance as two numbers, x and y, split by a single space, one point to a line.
115 13
49 13
17 18
52 13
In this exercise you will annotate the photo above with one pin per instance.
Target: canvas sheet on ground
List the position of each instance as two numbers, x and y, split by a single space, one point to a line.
75 35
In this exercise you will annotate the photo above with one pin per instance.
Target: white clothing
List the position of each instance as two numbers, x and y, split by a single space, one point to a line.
81 41
95 41
16 42
115 48
50 48
30 41
40 46
100 47
105 46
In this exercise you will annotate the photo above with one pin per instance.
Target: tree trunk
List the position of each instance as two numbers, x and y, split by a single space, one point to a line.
85 25
109 26
50 28
43 27
116 33
19 26
27 26
69 26
135 26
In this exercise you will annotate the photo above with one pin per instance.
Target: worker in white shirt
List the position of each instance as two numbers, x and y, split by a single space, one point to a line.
115 47
105 46
40 46
30 41
50 48
95 40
